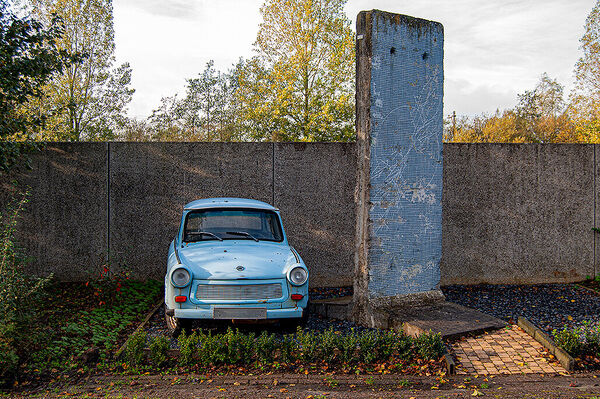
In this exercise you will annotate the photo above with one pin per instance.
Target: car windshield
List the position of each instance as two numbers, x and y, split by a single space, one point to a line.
232 224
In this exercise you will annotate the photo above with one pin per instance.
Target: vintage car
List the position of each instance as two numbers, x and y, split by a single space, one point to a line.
231 260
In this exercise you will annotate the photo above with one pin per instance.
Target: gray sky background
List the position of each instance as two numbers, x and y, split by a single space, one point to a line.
493 49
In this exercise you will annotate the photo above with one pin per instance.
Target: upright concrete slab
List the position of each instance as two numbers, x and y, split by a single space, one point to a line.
518 213
149 184
63 228
399 126
314 188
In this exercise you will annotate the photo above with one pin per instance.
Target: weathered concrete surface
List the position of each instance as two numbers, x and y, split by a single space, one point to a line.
63 228
596 221
447 318
399 223
314 188
334 308
512 212
150 183
518 213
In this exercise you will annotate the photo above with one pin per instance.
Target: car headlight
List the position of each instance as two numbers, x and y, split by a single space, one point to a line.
298 275
180 277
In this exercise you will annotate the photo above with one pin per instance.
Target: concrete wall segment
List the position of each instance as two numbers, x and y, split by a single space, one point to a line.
406 155
518 213
314 188
150 183
63 228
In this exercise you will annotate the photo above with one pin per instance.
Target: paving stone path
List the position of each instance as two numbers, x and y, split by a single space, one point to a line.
507 351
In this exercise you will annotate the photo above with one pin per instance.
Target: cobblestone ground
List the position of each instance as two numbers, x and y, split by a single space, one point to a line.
507 351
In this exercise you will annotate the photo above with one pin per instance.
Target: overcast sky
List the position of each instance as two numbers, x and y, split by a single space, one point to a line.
493 49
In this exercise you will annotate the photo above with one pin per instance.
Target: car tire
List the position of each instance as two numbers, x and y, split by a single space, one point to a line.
176 325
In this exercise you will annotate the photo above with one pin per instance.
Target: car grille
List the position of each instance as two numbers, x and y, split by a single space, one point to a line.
238 292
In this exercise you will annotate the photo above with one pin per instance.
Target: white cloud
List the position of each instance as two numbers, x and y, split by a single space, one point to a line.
493 49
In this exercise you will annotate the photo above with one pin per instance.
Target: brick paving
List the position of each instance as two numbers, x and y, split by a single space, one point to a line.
507 351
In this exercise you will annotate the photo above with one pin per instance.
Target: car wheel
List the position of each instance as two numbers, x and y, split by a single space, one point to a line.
176 325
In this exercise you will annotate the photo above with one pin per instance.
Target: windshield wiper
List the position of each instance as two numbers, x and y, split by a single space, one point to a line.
242 233
204 233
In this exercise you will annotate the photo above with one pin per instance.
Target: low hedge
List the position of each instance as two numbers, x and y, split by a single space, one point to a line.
200 349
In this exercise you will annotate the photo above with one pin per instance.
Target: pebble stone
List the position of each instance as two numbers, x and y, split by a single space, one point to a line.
548 306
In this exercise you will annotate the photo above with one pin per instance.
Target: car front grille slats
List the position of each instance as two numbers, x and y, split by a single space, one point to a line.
227 292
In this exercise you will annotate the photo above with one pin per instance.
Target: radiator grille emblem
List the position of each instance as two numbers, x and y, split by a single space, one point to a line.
240 268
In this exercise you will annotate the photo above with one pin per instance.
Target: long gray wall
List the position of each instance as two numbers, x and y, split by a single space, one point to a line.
89 197
512 213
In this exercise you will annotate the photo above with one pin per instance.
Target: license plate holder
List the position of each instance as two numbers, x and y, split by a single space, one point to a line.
221 313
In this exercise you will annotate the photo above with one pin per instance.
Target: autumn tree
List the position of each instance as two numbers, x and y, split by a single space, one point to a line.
585 98
88 100
300 86
540 116
208 112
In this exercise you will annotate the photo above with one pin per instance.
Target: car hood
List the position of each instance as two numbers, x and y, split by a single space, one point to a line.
219 260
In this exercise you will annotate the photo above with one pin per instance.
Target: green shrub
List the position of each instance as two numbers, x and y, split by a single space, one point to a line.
240 347
348 347
237 348
19 293
569 340
159 351
188 348
288 348
328 343
214 349
309 345
367 343
266 344
591 337
430 346
136 356
9 362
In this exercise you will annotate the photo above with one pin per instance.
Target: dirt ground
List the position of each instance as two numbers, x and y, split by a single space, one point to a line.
322 387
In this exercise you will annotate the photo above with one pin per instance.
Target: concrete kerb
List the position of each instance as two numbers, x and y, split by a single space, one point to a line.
563 357
449 363
139 328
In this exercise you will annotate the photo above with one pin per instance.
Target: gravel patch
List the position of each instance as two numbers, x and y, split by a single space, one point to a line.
548 306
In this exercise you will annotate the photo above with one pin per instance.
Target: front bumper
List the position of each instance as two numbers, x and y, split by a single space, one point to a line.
288 313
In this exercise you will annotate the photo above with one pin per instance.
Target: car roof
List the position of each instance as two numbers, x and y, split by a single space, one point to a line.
226 202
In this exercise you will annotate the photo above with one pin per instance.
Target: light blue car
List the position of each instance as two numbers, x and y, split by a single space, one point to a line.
231 260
